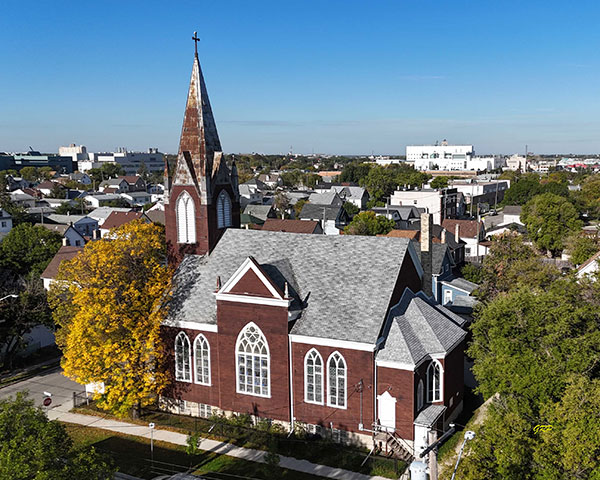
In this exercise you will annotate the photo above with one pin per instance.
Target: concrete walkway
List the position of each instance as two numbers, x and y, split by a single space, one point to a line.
62 414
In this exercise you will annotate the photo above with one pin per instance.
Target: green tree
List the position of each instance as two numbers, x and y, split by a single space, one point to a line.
549 219
581 247
57 191
28 249
354 172
45 173
439 182
588 198
367 223
472 273
298 207
29 173
34 448
281 202
351 209
17 212
19 316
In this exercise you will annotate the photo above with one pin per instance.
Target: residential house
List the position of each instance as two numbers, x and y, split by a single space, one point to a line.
332 218
511 214
117 219
156 216
472 232
249 194
64 253
6 223
137 199
46 187
22 199
114 185
271 180
403 216
590 267
329 334
292 226
100 199
102 213
327 198
16 183
442 204
353 194
257 214
135 183
80 177
70 235
82 223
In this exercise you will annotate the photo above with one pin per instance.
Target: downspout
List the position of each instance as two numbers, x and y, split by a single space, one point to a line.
291 387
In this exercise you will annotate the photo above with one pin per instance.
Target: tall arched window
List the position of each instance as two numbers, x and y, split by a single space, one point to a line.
420 395
183 370
336 381
313 377
434 382
252 353
202 360
223 210
186 224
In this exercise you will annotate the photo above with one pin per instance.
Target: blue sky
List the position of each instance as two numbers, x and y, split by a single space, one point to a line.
323 76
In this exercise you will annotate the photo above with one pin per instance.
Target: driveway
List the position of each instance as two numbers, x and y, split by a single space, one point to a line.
51 381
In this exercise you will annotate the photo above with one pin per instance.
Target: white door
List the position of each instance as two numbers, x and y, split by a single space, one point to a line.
386 411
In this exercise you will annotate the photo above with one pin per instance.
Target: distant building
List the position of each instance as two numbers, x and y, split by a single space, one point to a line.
5 223
442 203
516 163
18 161
131 162
477 192
450 157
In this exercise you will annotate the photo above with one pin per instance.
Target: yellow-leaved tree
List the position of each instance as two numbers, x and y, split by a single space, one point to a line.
108 304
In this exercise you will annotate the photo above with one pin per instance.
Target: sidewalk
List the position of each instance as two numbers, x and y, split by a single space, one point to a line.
62 413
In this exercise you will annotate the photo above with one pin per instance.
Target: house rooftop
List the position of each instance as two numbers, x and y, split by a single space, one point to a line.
292 226
116 219
65 253
311 211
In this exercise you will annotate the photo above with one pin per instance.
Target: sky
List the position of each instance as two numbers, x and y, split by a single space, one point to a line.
326 76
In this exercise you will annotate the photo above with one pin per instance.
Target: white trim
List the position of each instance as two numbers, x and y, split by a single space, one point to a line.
268 355
314 376
189 345
208 384
439 365
202 327
415 259
449 285
329 342
329 404
396 365
273 302
241 271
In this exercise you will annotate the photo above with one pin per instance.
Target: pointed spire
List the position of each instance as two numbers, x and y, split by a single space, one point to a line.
199 134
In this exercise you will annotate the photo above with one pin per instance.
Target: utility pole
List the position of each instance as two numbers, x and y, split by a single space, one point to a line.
433 466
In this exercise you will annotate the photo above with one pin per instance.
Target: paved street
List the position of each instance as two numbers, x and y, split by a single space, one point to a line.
51 381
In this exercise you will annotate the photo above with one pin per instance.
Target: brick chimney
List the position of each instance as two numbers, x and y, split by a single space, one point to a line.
426 253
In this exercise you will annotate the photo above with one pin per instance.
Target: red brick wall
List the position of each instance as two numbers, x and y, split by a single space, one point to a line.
192 391
250 284
273 321
408 277
453 378
401 385
359 366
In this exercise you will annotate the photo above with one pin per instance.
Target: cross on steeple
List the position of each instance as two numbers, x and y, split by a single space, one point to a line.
196 40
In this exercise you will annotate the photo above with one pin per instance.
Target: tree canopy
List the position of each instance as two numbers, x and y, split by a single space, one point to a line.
34 448
549 219
109 302
367 223
439 182
527 186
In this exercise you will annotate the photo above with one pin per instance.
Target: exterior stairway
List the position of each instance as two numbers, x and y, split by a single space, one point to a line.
398 448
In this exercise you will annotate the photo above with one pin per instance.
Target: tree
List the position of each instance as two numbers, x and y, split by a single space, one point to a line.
354 172
351 209
57 191
581 247
472 273
143 171
17 212
34 448
281 202
45 173
28 249
29 173
549 219
298 206
588 198
19 316
367 223
439 182
108 303
510 263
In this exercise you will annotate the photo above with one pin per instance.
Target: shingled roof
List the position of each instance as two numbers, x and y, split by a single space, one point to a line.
65 253
344 283
292 226
418 328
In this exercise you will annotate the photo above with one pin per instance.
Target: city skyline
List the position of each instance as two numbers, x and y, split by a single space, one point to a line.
333 78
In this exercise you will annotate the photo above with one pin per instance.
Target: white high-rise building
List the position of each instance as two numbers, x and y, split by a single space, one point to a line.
449 158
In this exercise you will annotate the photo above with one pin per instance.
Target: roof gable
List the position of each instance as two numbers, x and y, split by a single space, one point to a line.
250 279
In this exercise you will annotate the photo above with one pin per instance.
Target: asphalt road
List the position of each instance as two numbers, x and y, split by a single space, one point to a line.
51 381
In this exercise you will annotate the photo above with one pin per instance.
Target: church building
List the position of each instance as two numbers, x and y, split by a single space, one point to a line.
332 334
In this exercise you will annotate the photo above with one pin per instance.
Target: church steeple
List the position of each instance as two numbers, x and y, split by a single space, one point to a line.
196 223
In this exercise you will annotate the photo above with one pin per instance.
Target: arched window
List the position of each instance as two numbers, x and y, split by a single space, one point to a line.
252 353
202 360
223 210
420 395
434 382
336 381
186 224
313 377
183 370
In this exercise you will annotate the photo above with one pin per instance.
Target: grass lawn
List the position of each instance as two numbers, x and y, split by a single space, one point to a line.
132 456
315 451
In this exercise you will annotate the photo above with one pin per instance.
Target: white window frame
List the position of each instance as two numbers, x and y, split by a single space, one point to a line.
180 373
223 210
345 378
430 394
187 215
253 355
313 355
447 296
201 338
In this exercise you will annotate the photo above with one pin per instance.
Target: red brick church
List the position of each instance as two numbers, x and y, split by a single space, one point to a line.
327 333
